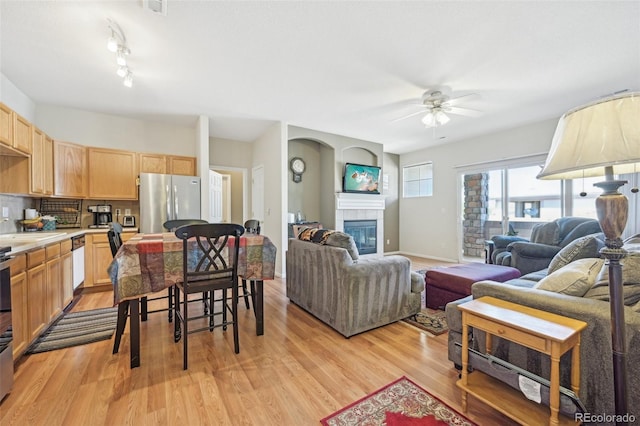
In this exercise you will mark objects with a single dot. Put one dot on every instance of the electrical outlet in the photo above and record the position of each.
(127, 212)
(388, 242)
(117, 212)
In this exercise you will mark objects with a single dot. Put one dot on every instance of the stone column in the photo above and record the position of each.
(476, 198)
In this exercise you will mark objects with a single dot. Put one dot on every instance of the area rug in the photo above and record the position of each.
(432, 320)
(401, 403)
(77, 328)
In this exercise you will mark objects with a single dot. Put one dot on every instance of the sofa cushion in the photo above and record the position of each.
(332, 238)
(574, 279)
(630, 281)
(584, 247)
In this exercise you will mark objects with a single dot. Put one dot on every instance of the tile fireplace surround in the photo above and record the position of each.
(362, 207)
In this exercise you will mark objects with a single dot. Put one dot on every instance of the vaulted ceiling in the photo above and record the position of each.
(349, 68)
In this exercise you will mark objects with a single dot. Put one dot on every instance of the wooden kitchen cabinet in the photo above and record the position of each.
(97, 257)
(66, 273)
(69, 170)
(167, 164)
(6, 125)
(181, 165)
(41, 163)
(53, 296)
(153, 163)
(19, 301)
(36, 293)
(22, 134)
(15, 132)
(112, 174)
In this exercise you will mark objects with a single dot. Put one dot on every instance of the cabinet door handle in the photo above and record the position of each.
(501, 331)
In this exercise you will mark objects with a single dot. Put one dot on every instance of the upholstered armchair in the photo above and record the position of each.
(547, 239)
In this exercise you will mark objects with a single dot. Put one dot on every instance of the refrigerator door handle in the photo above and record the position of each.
(168, 198)
(175, 200)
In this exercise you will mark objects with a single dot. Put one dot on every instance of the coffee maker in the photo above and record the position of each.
(101, 215)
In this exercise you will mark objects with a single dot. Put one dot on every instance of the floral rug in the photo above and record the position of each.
(401, 403)
(432, 320)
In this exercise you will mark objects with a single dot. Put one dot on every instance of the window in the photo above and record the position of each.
(417, 180)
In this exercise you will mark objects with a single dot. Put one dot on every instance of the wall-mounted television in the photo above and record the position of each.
(361, 178)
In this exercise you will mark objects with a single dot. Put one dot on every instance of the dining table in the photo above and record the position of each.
(149, 263)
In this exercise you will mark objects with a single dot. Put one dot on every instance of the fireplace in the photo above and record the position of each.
(364, 233)
(369, 208)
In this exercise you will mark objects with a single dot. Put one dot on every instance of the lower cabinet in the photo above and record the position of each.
(19, 318)
(97, 258)
(36, 293)
(41, 287)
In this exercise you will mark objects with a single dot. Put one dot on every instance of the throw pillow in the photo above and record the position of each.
(574, 279)
(584, 247)
(340, 239)
(332, 238)
(630, 281)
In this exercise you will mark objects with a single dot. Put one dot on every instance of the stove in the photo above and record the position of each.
(3, 253)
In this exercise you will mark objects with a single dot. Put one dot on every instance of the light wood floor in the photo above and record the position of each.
(299, 372)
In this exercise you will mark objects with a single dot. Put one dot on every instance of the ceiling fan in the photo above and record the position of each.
(437, 103)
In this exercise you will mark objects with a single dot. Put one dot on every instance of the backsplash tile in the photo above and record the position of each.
(16, 207)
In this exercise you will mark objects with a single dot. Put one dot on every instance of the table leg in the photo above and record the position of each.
(554, 386)
(575, 367)
(259, 305)
(134, 332)
(465, 359)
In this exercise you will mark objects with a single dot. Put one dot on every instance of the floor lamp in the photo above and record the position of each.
(603, 138)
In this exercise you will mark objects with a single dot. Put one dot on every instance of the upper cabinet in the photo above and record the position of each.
(22, 134)
(181, 165)
(41, 163)
(153, 163)
(15, 132)
(112, 174)
(70, 170)
(167, 164)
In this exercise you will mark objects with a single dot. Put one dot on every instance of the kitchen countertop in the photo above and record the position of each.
(22, 243)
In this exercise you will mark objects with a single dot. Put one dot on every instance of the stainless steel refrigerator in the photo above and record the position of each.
(167, 197)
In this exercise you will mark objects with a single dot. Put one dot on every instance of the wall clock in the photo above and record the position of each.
(297, 166)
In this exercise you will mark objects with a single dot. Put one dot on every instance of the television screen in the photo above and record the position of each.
(361, 178)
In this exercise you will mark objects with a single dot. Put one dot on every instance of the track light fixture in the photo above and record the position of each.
(117, 43)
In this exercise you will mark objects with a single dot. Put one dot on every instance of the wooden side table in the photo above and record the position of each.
(545, 332)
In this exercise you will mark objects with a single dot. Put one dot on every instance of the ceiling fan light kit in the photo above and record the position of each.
(437, 103)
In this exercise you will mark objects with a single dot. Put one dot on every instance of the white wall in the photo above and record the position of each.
(429, 226)
(270, 151)
(112, 131)
(15, 99)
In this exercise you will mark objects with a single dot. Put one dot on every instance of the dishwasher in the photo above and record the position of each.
(77, 253)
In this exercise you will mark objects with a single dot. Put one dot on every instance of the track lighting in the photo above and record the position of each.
(117, 43)
(112, 43)
(128, 79)
(122, 71)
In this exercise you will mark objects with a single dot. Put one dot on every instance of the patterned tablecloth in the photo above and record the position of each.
(148, 263)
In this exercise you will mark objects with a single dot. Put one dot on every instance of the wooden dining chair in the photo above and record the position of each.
(251, 226)
(210, 264)
(115, 242)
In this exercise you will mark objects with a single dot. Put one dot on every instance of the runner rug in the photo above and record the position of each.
(432, 320)
(77, 328)
(401, 403)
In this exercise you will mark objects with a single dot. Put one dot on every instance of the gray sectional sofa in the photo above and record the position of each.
(576, 288)
(348, 293)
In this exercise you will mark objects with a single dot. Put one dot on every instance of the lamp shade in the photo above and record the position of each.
(592, 137)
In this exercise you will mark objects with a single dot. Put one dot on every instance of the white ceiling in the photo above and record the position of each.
(347, 68)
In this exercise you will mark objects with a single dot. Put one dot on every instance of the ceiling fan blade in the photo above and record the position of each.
(464, 111)
(409, 115)
(457, 100)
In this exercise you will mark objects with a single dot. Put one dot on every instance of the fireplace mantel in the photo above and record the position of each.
(352, 206)
(348, 201)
